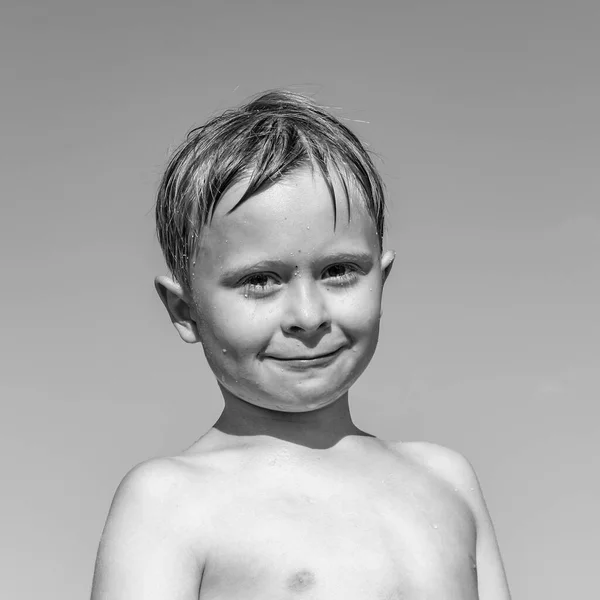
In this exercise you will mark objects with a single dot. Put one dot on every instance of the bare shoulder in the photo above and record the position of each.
(162, 490)
(445, 463)
(150, 537)
(452, 469)
(455, 470)
(154, 480)
(154, 487)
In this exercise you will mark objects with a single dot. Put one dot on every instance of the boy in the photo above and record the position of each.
(271, 221)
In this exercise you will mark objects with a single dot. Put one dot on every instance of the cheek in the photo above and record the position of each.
(360, 312)
(238, 326)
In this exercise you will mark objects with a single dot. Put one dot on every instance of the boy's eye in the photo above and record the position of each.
(259, 284)
(341, 273)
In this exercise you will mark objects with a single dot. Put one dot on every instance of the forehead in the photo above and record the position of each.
(297, 210)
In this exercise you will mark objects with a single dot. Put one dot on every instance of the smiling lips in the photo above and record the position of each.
(307, 360)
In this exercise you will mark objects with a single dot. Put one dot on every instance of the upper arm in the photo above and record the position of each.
(491, 577)
(456, 469)
(144, 551)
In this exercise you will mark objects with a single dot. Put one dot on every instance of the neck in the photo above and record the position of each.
(317, 429)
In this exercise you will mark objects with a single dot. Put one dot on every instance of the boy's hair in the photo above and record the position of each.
(266, 139)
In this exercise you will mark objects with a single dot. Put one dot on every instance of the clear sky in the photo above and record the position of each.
(484, 116)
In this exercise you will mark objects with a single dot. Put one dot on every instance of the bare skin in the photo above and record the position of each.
(362, 520)
(249, 516)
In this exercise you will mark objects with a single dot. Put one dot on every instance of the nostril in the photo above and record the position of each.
(306, 313)
(298, 329)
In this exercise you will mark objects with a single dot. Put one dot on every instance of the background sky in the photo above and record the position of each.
(484, 116)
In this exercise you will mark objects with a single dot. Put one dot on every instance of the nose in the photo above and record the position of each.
(306, 311)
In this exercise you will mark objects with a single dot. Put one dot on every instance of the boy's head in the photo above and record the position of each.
(271, 220)
(264, 141)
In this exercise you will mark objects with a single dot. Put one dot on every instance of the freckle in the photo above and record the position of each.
(434, 526)
(307, 227)
(224, 351)
(301, 581)
(245, 295)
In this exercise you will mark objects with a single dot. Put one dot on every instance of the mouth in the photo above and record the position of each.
(303, 361)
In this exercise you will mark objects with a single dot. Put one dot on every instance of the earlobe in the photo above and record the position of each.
(178, 306)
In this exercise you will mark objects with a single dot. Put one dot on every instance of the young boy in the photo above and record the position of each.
(271, 220)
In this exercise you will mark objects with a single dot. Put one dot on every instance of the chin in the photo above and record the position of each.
(299, 402)
(292, 396)
(301, 406)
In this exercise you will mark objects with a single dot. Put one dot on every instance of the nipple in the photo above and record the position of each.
(301, 581)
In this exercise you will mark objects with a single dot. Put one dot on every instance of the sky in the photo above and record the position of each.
(484, 120)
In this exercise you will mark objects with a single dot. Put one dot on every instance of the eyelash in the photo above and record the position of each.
(349, 276)
(252, 288)
(255, 289)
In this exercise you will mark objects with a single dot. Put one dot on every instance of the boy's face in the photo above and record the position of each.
(286, 306)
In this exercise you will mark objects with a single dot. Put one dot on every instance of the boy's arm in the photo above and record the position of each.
(456, 469)
(491, 577)
(145, 552)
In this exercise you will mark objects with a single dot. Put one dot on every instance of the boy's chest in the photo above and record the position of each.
(322, 540)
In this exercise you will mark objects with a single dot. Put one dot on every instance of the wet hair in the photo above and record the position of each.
(270, 137)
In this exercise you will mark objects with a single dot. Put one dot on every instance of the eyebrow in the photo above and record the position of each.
(234, 274)
(359, 256)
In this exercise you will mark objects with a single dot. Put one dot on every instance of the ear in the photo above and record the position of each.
(387, 261)
(178, 306)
